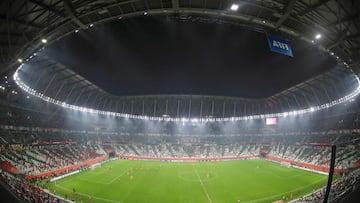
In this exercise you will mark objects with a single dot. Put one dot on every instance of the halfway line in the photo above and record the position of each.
(202, 184)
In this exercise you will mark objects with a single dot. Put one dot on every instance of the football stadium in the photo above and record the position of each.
(182, 101)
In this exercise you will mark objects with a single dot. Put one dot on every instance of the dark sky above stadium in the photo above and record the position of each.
(159, 55)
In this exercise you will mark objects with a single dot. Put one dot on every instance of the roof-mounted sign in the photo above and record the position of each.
(279, 45)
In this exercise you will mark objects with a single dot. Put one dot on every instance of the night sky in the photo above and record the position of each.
(157, 55)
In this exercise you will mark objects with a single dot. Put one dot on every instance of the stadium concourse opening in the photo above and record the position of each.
(175, 101)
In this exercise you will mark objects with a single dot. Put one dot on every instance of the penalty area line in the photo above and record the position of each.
(202, 185)
(126, 170)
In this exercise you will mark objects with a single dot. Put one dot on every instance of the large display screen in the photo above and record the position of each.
(271, 121)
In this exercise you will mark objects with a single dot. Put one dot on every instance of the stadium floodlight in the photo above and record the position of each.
(318, 36)
(234, 7)
(194, 120)
(44, 41)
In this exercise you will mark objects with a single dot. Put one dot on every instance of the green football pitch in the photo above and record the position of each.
(200, 182)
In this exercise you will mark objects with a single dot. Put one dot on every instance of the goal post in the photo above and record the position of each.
(94, 166)
(285, 164)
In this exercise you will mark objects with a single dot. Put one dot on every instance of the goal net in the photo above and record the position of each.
(285, 164)
(94, 166)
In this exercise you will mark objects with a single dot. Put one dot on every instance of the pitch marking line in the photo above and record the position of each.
(92, 181)
(108, 183)
(182, 176)
(272, 196)
(125, 171)
(107, 200)
(202, 184)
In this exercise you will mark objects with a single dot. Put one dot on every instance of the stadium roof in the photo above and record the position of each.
(26, 23)
(187, 54)
(54, 83)
(30, 25)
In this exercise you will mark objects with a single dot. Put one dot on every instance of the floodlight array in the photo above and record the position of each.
(35, 93)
